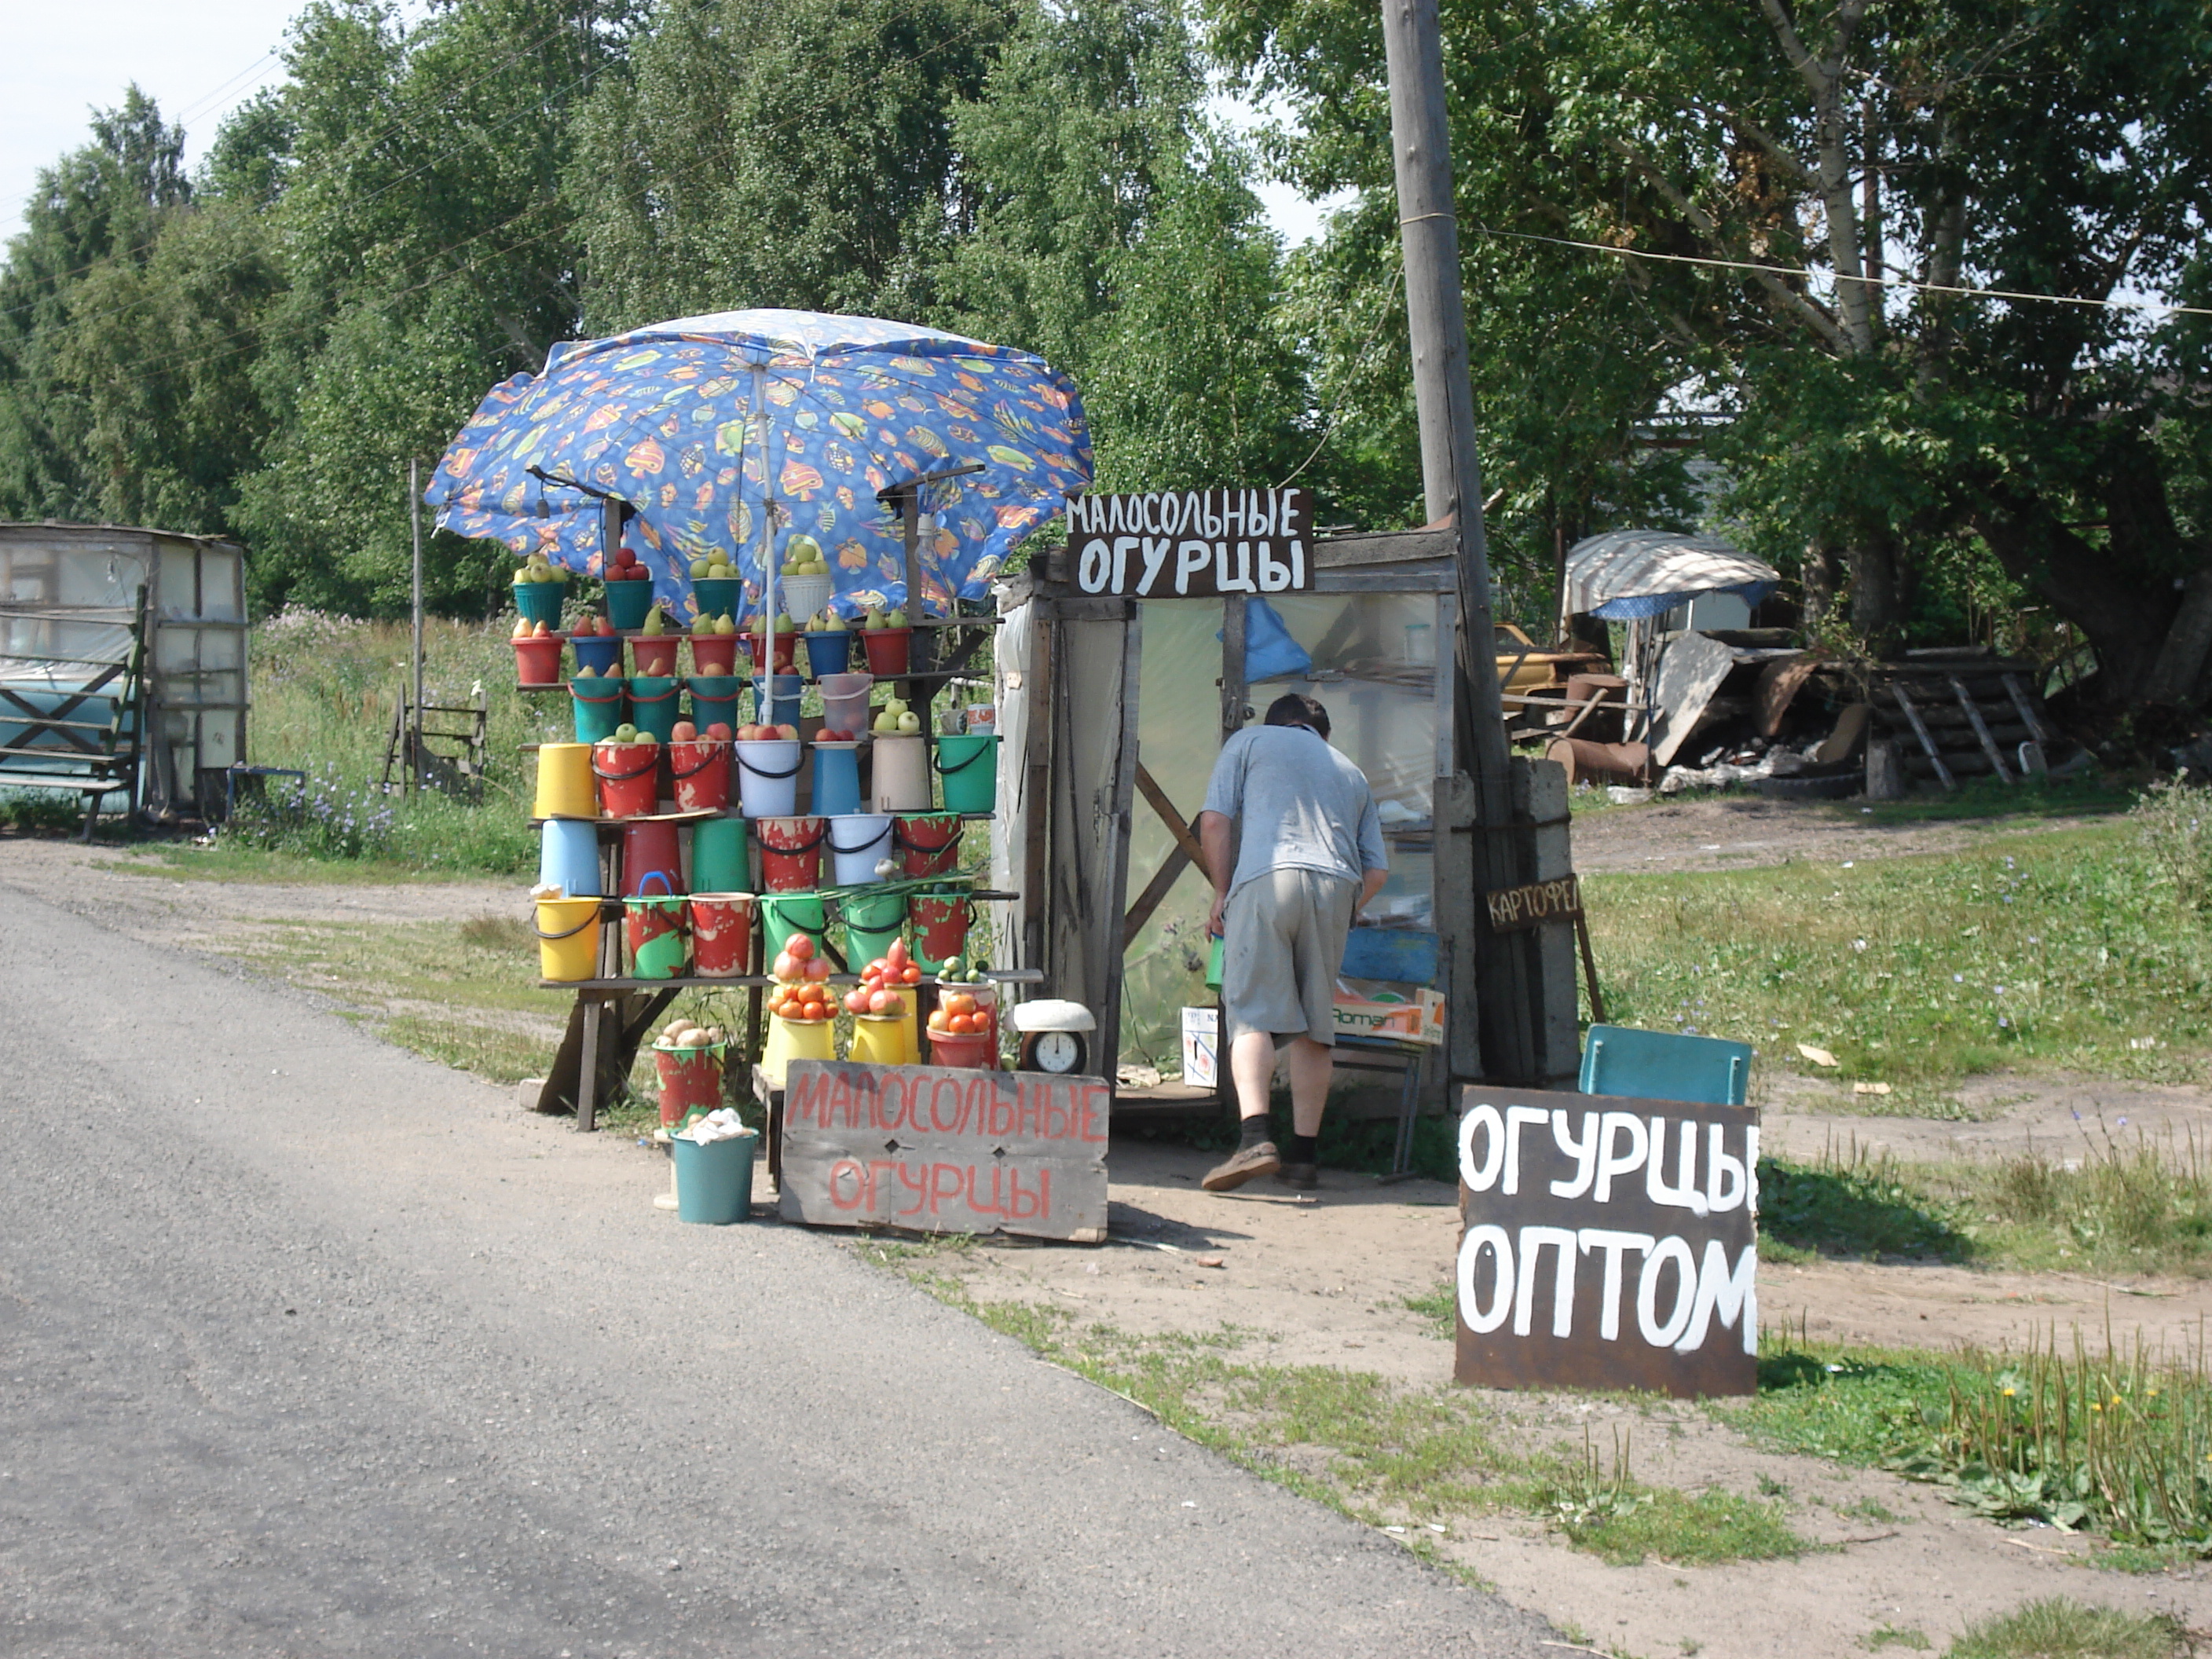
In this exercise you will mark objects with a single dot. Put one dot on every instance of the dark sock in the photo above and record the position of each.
(1253, 1130)
(1301, 1150)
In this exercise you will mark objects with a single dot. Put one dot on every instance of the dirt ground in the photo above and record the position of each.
(1740, 834)
(1322, 1279)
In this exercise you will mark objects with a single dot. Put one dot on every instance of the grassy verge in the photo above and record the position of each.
(2084, 949)
(2063, 1629)
(2118, 1443)
(1416, 1461)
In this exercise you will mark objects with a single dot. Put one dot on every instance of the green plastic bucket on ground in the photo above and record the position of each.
(598, 706)
(714, 1182)
(720, 860)
(970, 769)
(872, 921)
(783, 914)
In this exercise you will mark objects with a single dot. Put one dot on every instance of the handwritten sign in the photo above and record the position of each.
(1191, 544)
(1510, 910)
(942, 1151)
(1607, 1242)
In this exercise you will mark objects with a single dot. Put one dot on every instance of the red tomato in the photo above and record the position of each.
(896, 956)
(959, 1003)
(787, 965)
(910, 974)
(817, 968)
(800, 945)
(881, 1001)
(856, 1002)
(939, 1021)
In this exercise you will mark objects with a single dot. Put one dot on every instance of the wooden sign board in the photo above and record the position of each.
(1607, 1242)
(1510, 910)
(937, 1150)
(1191, 543)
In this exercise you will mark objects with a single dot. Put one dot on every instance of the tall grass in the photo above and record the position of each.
(2087, 948)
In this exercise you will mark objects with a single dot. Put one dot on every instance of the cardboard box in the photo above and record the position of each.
(1420, 1018)
(1202, 1047)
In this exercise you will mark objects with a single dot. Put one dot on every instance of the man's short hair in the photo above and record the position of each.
(1294, 708)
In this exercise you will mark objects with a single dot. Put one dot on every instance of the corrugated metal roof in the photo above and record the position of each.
(1624, 574)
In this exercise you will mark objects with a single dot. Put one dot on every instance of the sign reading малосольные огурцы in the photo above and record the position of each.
(1607, 1242)
(1191, 544)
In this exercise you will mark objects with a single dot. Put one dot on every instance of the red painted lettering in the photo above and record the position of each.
(1096, 1103)
(975, 1202)
(920, 1188)
(851, 1171)
(944, 1182)
(943, 1118)
(803, 1103)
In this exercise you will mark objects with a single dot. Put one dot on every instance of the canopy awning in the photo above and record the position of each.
(1626, 575)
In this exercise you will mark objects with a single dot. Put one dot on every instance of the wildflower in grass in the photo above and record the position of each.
(1858, 944)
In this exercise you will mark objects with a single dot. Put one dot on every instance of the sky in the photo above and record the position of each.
(199, 59)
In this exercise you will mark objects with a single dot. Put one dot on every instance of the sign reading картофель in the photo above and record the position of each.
(1607, 1242)
(1191, 543)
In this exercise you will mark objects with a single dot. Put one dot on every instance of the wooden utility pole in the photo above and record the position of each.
(415, 729)
(1504, 993)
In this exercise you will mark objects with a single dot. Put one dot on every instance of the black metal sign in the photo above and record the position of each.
(1510, 910)
(1191, 544)
(1607, 1242)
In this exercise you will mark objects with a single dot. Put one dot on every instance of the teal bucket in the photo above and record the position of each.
(718, 596)
(872, 921)
(599, 708)
(720, 860)
(653, 702)
(714, 697)
(627, 603)
(540, 602)
(970, 767)
(713, 1181)
(783, 914)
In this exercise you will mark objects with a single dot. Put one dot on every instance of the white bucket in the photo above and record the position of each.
(844, 701)
(767, 777)
(858, 843)
(900, 780)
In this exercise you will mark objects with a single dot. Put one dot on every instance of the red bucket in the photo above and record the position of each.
(887, 650)
(654, 654)
(653, 930)
(928, 842)
(691, 1081)
(714, 653)
(785, 646)
(701, 771)
(650, 861)
(537, 659)
(722, 934)
(630, 778)
(790, 852)
(972, 1050)
(940, 927)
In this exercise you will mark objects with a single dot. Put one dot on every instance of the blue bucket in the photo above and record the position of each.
(714, 1182)
(836, 779)
(597, 652)
(828, 652)
(568, 858)
(782, 708)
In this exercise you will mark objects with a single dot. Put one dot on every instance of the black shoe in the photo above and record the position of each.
(1302, 1177)
(1245, 1164)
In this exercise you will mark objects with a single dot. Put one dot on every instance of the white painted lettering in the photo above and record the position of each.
(1610, 1164)
(1612, 1244)
(1478, 1318)
(1585, 1153)
(1533, 1242)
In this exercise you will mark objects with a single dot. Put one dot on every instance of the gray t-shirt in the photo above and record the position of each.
(1300, 804)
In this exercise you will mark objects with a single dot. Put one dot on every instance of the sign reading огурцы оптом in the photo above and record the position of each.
(1607, 1242)
(1191, 543)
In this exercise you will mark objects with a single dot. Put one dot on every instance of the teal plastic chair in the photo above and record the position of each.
(1663, 1065)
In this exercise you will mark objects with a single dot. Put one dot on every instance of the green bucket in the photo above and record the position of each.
(720, 862)
(718, 596)
(540, 602)
(659, 946)
(627, 604)
(653, 702)
(872, 921)
(714, 697)
(599, 708)
(970, 767)
(783, 914)
(1215, 958)
(714, 1182)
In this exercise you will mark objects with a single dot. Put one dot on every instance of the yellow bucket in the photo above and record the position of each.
(883, 1040)
(565, 789)
(567, 938)
(795, 1039)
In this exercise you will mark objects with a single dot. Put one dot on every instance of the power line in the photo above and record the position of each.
(1808, 275)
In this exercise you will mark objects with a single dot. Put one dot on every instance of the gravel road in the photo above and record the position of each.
(308, 1347)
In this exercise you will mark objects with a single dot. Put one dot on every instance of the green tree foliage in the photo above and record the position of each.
(1109, 227)
(1898, 436)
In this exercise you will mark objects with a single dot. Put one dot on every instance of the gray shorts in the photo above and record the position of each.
(1283, 948)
